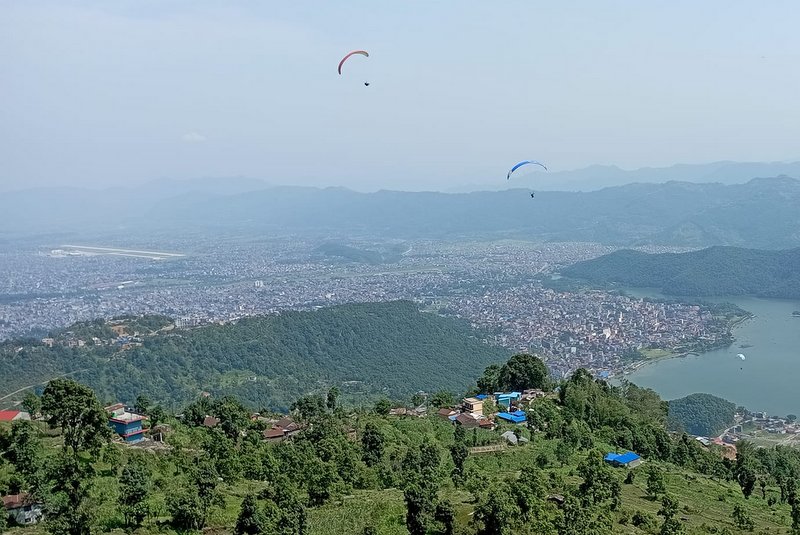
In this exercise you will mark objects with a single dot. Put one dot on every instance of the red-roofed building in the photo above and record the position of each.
(10, 416)
(22, 508)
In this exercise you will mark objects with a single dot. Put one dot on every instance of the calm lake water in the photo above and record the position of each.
(768, 380)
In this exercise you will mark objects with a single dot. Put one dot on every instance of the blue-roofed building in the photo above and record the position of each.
(481, 397)
(516, 417)
(628, 460)
(505, 399)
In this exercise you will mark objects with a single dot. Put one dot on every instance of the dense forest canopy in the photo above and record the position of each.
(716, 271)
(701, 414)
(365, 349)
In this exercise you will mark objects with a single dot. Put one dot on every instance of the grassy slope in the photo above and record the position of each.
(698, 495)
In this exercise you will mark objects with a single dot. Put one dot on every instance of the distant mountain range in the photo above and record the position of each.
(596, 177)
(763, 212)
(716, 271)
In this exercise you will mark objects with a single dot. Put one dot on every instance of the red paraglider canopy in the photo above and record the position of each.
(361, 52)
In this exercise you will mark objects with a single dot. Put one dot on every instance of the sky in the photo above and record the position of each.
(108, 93)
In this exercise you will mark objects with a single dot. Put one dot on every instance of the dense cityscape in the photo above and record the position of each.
(499, 287)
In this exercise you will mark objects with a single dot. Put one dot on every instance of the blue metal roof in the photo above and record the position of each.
(516, 417)
(621, 458)
(481, 397)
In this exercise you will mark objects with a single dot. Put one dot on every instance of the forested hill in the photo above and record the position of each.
(676, 213)
(708, 272)
(389, 349)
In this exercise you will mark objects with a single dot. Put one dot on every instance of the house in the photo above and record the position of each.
(22, 508)
(127, 425)
(512, 439)
(506, 399)
(627, 460)
(283, 428)
(472, 405)
(274, 434)
(446, 413)
(10, 416)
(516, 417)
(467, 421)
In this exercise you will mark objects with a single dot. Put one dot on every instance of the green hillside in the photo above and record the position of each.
(715, 271)
(362, 471)
(365, 349)
(701, 414)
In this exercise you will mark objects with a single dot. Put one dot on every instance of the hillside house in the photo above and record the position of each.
(506, 399)
(22, 508)
(627, 460)
(127, 425)
(472, 405)
(516, 417)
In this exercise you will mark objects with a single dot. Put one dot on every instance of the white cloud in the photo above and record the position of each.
(193, 137)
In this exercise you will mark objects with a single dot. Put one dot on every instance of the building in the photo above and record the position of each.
(127, 425)
(516, 417)
(467, 421)
(627, 460)
(10, 416)
(506, 399)
(472, 405)
(513, 439)
(22, 508)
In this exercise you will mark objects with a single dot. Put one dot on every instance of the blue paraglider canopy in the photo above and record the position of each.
(525, 162)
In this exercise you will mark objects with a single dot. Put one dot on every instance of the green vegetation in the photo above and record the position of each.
(701, 414)
(367, 350)
(358, 471)
(389, 255)
(716, 271)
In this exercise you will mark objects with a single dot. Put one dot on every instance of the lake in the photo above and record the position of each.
(768, 380)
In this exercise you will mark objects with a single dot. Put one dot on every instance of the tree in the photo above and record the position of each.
(32, 404)
(599, 483)
(417, 399)
(286, 512)
(791, 417)
(383, 406)
(669, 510)
(581, 520)
(134, 489)
(459, 453)
(24, 450)
(497, 511)
(741, 518)
(309, 407)
(251, 520)
(656, 486)
(372, 441)
(445, 514)
(443, 398)
(333, 398)
(186, 509)
(142, 404)
(489, 382)
(746, 470)
(420, 471)
(68, 509)
(74, 408)
(233, 416)
(157, 415)
(523, 371)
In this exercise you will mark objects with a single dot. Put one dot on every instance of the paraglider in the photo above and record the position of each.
(348, 55)
(525, 162)
(741, 356)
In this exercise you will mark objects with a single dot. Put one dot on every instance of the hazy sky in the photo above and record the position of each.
(110, 92)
